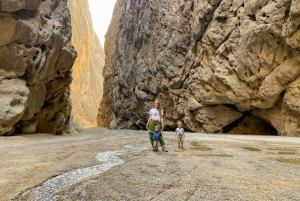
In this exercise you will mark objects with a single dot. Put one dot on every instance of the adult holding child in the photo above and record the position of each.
(156, 119)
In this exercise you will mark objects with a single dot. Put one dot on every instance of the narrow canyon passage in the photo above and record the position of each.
(217, 66)
(87, 84)
(74, 111)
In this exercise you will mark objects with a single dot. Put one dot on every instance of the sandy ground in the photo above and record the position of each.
(101, 164)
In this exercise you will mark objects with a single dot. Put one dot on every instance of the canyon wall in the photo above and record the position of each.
(218, 65)
(106, 112)
(86, 88)
(36, 58)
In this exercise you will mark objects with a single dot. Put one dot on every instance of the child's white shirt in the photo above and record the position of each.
(179, 131)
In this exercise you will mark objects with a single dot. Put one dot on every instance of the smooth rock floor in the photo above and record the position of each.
(102, 164)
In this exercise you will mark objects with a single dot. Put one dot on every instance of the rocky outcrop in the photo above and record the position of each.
(86, 88)
(212, 63)
(36, 57)
(105, 113)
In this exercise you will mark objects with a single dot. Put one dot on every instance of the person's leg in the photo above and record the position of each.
(151, 128)
(161, 141)
(178, 140)
(151, 138)
(155, 146)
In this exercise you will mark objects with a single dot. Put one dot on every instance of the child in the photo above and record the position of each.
(180, 132)
(156, 134)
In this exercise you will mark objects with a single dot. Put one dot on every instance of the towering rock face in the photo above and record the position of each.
(36, 57)
(106, 112)
(216, 65)
(86, 88)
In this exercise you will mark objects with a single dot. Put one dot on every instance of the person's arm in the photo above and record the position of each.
(162, 123)
(183, 135)
(147, 125)
(175, 134)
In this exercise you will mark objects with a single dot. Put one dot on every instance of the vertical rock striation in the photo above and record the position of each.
(36, 58)
(215, 64)
(86, 88)
(105, 113)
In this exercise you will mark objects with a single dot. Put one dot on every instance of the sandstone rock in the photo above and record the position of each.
(15, 5)
(196, 55)
(36, 58)
(13, 96)
(215, 118)
(8, 29)
(86, 88)
(12, 5)
(193, 104)
(72, 127)
(12, 60)
(292, 96)
(105, 114)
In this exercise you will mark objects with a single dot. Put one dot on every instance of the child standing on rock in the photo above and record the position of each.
(179, 134)
(156, 134)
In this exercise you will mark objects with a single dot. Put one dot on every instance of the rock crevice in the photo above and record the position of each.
(86, 88)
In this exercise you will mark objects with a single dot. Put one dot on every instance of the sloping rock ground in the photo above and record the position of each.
(86, 88)
(211, 167)
(215, 64)
(36, 58)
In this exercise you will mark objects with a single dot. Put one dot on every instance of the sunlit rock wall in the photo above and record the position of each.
(105, 109)
(230, 65)
(86, 88)
(36, 58)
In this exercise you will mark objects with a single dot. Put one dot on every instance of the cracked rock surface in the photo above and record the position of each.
(36, 58)
(214, 64)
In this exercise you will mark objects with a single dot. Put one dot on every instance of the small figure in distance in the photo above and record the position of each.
(156, 134)
(179, 134)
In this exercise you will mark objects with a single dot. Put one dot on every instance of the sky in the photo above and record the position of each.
(101, 11)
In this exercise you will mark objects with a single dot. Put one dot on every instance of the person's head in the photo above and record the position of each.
(156, 128)
(157, 106)
(179, 123)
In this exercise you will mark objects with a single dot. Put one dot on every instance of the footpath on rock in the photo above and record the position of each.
(102, 164)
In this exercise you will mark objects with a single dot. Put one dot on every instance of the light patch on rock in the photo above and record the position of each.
(49, 189)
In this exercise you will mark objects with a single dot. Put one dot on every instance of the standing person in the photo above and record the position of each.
(156, 118)
(156, 134)
(180, 133)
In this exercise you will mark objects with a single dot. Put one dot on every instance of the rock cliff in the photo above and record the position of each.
(86, 88)
(36, 58)
(218, 65)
